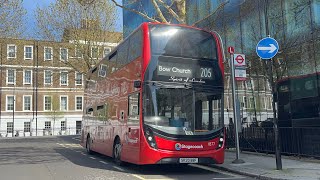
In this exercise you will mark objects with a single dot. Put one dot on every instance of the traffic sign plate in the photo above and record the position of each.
(267, 48)
(239, 59)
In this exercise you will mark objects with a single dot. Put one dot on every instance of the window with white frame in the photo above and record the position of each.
(251, 102)
(11, 51)
(9, 127)
(63, 78)
(28, 52)
(63, 125)
(48, 53)
(47, 77)
(245, 102)
(106, 51)
(27, 103)
(102, 70)
(11, 76)
(268, 103)
(47, 125)
(10, 103)
(79, 100)
(78, 53)
(63, 54)
(78, 78)
(94, 52)
(47, 103)
(250, 84)
(27, 77)
(27, 126)
(63, 103)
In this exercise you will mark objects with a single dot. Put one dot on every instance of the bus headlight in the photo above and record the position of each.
(221, 139)
(150, 138)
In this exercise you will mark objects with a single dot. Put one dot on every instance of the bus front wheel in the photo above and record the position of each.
(117, 148)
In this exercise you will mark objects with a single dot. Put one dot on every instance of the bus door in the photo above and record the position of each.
(132, 139)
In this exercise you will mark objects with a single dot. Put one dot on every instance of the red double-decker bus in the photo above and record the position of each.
(157, 98)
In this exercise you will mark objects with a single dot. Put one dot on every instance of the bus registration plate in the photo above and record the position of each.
(188, 160)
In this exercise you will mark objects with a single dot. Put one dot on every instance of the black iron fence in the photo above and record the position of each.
(294, 141)
(40, 132)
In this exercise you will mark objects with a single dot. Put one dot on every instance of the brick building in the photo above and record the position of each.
(42, 84)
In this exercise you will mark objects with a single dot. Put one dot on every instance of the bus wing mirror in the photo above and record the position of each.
(137, 84)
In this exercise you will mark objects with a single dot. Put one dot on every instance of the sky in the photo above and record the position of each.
(31, 5)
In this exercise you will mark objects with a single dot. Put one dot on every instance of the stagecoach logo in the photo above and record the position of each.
(179, 146)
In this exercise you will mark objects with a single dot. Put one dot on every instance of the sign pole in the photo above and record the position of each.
(235, 113)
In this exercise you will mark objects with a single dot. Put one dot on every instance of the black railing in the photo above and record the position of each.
(294, 141)
(40, 132)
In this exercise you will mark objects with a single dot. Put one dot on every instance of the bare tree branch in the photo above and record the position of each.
(170, 10)
(160, 15)
(135, 11)
(11, 18)
(218, 8)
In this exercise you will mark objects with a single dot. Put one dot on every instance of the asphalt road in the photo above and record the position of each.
(62, 158)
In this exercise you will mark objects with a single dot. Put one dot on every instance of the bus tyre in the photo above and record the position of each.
(117, 147)
(88, 145)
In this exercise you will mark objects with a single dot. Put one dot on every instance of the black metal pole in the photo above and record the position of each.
(37, 62)
(0, 83)
(14, 103)
(273, 89)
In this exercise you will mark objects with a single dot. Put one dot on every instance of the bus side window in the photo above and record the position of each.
(135, 46)
(122, 58)
(133, 107)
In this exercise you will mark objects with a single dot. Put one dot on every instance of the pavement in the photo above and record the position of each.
(262, 166)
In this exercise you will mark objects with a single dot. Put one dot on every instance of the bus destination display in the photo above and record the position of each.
(185, 72)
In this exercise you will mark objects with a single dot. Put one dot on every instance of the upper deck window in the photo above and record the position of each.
(182, 42)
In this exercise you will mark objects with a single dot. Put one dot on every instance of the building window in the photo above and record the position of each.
(63, 125)
(63, 103)
(27, 77)
(47, 125)
(11, 51)
(47, 77)
(26, 127)
(47, 103)
(63, 54)
(106, 51)
(64, 78)
(94, 52)
(47, 53)
(27, 103)
(78, 78)
(268, 103)
(10, 103)
(28, 52)
(79, 103)
(78, 53)
(251, 102)
(245, 102)
(9, 127)
(102, 70)
(11, 76)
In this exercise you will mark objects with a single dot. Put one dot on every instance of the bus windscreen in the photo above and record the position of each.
(182, 42)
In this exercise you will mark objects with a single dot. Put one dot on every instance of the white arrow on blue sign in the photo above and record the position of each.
(267, 48)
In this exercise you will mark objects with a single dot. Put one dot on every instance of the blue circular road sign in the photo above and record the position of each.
(267, 48)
